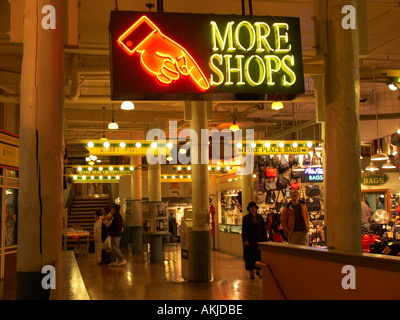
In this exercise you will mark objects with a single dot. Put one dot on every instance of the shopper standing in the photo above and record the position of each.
(366, 213)
(97, 237)
(115, 231)
(105, 238)
(295, 220)
(253, 231)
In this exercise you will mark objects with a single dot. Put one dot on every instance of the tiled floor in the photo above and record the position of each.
(141, 279)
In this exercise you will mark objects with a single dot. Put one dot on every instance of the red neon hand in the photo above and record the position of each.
(160, 56)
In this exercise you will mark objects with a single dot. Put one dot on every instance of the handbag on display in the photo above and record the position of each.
(313, 204)
(295, 186)
(306, 160)
(293, 160)
(295, 174)
(271, 197)
(275, 161)
(271, 172)
(283, 164)
(281, 182)
(312, 190)
(270, 185)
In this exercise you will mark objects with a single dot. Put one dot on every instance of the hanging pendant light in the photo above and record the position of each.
(371, 166)
(103, 138)
(234, 127)
(379, 156)
(277, 105)
(389, 165)
(127, 105)
(113, 125)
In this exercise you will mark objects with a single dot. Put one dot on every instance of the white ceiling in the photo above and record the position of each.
(84, 117)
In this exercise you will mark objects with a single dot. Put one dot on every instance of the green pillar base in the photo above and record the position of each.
(201, 256)
(29, 286)
(137, 239)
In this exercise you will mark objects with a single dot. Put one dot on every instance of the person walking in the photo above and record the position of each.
(115, 231)
(106, 218)
(253, 231)
(97, 237)
(295, 220)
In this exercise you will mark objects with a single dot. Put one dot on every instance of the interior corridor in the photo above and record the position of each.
(141, 279)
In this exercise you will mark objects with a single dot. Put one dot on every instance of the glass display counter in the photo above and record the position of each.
(230, 228)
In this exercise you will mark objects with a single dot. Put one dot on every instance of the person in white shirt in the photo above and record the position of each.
(97, 237)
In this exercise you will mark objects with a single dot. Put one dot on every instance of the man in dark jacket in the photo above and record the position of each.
(253, 231)
(115, 231)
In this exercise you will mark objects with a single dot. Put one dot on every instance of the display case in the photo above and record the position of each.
(231, 208)
(230, 222)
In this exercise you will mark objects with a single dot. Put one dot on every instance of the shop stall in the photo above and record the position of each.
(9, 186)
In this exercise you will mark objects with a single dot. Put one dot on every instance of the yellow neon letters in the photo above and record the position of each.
(256, 54)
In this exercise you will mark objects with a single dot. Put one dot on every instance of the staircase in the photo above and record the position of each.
(82, 215)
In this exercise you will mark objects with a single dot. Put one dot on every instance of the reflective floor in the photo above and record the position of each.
(141, 279)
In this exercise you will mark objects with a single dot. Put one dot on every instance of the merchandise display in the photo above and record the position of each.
(382, 233)
(276, 177)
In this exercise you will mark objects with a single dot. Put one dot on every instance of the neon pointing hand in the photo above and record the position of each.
(160, 56)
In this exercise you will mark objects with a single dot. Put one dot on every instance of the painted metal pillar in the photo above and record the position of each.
(200, 192)
(136, 195)
(154, 182)
(41, 148)
(342, 137)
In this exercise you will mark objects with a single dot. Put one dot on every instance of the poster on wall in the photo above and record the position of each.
(204, 56)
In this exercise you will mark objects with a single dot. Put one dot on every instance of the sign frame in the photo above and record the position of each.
(130, 82)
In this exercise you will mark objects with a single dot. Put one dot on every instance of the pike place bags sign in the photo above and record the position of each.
(373, 178)
(199, 56)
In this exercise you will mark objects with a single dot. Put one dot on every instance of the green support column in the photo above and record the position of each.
(200, 191)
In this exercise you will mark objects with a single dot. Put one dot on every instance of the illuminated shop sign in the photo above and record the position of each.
(171, 56)
(373, 178)
(314, 174)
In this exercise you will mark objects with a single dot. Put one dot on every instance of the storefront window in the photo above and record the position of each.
(11, 217)
(231, 207)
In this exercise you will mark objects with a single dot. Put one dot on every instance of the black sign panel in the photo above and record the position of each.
(198, 56)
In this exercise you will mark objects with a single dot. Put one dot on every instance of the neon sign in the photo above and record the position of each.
(314, 174)
(266, 65)
(161, 56)
(203, 57)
